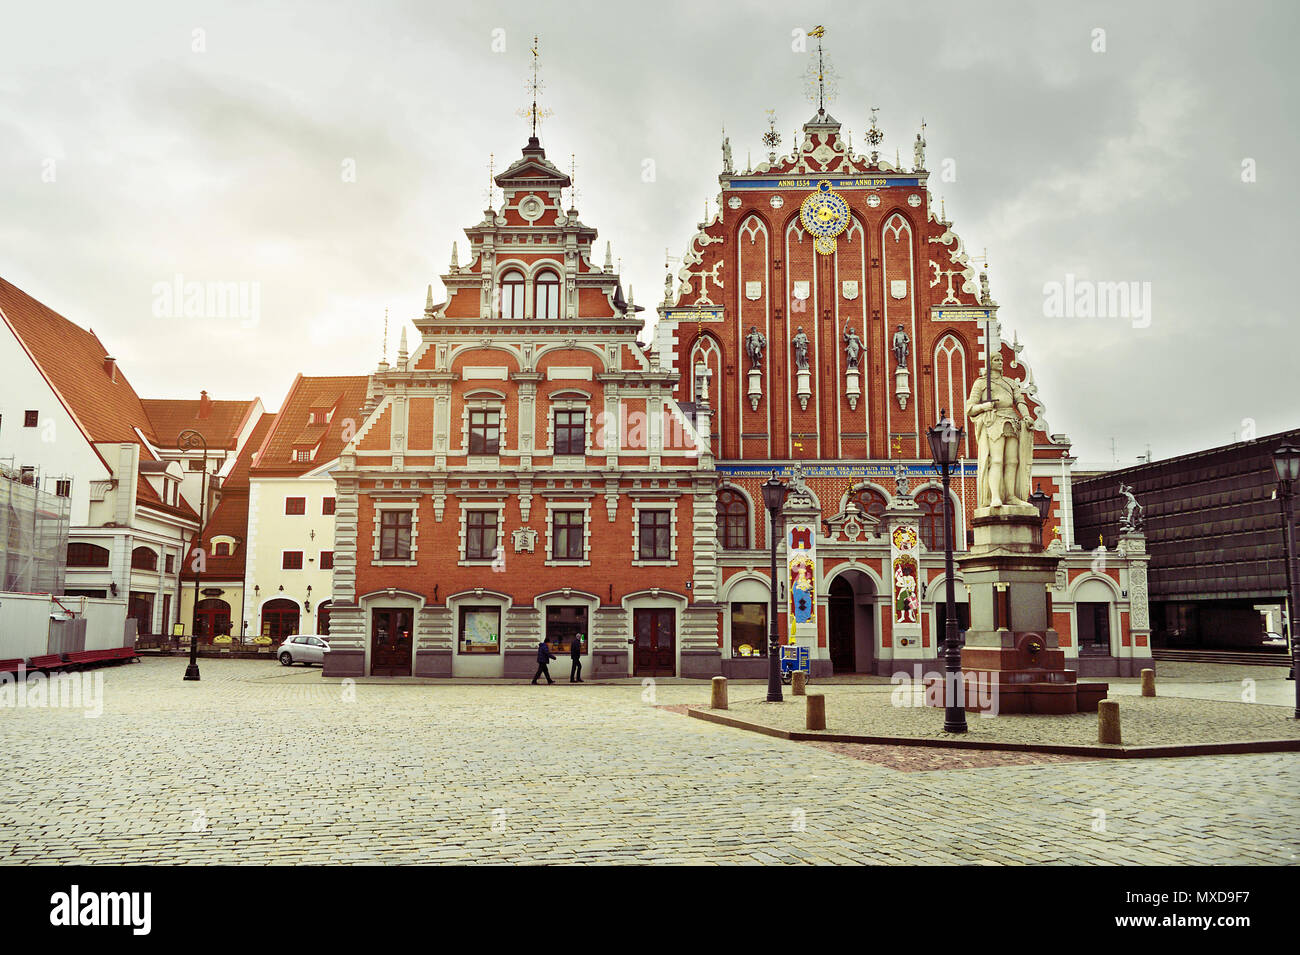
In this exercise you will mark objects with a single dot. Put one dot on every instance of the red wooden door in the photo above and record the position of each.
(655, 646)
(390, 641)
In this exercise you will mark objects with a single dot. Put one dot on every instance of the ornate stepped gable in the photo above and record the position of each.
(752, 265)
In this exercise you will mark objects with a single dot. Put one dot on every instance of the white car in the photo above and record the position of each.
(303, 648)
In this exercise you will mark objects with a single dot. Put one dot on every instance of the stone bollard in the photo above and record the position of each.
(796, 683)
(1108, 722)
(816, 712)
(719, 699)
(1148, 682)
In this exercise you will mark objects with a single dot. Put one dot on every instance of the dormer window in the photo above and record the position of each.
(302, 455)
(547, 292)
(512, 294)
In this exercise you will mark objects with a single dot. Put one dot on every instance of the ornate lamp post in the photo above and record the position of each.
(1286, 464)
(774, 492)
(945, 445)
(1041, 501)
(192, 439)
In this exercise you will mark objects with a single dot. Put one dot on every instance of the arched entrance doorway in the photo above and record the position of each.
(213, 618)
(279, 619)
(323, 619)
(851, 622)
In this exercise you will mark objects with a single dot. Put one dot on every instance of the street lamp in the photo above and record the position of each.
(774, 492)
(1286, 464)
(945, 446)
(1044, 504)
(187, 440)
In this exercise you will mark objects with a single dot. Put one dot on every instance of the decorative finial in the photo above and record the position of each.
(491, 192)
(428, 299)
(609, 260)
(455, 258)
(821, 74)
(573, 182)
(875, 137)
(401, 349)
(771, 138)
(534, 87)
(383, 358)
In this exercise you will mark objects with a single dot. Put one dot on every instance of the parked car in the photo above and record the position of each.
(304, 648)
(1273, 639)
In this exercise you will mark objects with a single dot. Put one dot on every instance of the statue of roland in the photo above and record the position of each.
(1004, 436)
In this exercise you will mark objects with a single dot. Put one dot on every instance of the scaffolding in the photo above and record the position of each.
(33, 532)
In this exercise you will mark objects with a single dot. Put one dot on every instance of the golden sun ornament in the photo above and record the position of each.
(824, 215)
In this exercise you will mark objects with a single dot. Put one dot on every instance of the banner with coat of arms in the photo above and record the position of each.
(801, 586)
(906, 576)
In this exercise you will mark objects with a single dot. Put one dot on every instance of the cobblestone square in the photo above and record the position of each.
(258, 764)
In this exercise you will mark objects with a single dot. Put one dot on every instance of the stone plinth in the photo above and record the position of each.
(1012, 661)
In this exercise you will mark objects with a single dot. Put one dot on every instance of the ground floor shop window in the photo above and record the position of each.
(480, 629)
(749, 630)
(563, 625)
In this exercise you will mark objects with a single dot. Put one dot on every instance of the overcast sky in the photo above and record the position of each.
(226, 164)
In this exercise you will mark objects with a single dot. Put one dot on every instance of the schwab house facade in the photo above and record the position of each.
(526, 472)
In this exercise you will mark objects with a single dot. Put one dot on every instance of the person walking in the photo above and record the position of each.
(544, 656)
(575, 654)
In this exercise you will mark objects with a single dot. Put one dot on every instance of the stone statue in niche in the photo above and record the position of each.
(1004, 436)
(1133, 520)
(901, 345)
(755, 345)
(800, 342)
(852, 348)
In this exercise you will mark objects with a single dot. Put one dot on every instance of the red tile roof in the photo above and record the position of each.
(220, 425)
(72, 359)
(230, 519)
(345, 395)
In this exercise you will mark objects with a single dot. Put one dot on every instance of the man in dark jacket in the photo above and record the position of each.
(544, 656)
(575, 654)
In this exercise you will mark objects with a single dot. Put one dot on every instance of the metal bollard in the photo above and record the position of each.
(815, 718)
(1148, 682)
(796, 683)
(719, 698)
(1108, 722)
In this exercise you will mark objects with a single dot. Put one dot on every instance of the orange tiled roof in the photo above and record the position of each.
(346, 395)
(72, 359)
(230, 519)
(220, 425)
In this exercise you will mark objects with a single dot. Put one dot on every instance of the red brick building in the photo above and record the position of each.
(837, 315)
(526, 472)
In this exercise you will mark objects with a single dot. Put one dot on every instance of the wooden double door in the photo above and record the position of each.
(391, 630)
(654, 649)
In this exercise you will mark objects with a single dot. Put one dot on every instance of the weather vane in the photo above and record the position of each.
(874, 136)
(534, 87)
(821, 83)
(771, 138)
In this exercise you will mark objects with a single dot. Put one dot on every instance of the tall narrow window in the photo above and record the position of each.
(547, 295)
(655, 539)
(480, 535)
(395, 535)
(567, 535)
(570, 432)
(512, 295)
(484, 432)
(733, 520)
(930, 501)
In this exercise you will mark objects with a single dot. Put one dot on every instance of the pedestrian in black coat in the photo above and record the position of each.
(544, 656)
(575, 654)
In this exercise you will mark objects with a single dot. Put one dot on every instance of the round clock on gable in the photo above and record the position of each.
(824, 215)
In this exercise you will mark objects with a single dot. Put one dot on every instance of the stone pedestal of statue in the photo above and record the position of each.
(1012, 661)
(755, 393)
(803, 387)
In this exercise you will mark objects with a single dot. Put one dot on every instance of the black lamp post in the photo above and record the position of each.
(945, 447)
(192, 439)
(774, 492)
(1286, 463)
(1041, 501)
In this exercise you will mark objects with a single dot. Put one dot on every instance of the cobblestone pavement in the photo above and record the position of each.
(255, 764)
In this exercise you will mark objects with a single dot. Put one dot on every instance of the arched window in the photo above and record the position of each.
(733, 520)
(87, 555)
(323, 618)
(144, 558)
(512, 294)
(546, 289)
(930, 501)
(279, 619)
(221, 549)
(869, 501)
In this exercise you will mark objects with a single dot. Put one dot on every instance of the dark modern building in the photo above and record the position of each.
(1214, 529)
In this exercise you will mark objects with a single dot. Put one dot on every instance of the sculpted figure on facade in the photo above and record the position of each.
(1004, 436)
(852, 347)
(800, 343)
(1133, 520)
(755, 345)
(901, 345)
